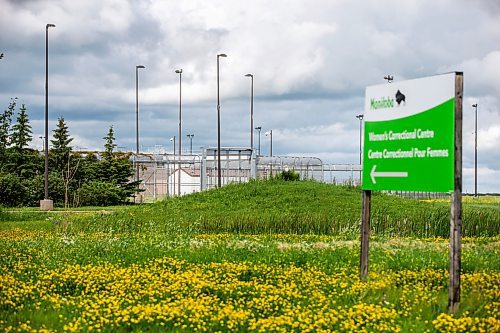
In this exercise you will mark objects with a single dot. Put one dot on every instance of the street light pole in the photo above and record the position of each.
(259, 129)
(251, 112)
(173, 175)
(475, 151)
(360, 117)
(270, 133)
(218, 123)
(137, 124)
(179, 71)
(47, 203)
(190, 136)
(173, 146)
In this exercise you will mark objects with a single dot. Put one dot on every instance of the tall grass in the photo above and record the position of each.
(304, 207)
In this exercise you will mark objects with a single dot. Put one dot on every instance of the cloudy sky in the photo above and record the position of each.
(311, 59)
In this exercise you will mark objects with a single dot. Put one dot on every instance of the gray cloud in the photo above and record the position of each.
(311, 59)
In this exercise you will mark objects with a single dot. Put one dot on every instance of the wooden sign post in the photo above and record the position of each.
(365, 233)
(456, 204)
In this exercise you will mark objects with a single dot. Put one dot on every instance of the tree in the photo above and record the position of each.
(109, 145)
(61, 149)
(22, 159)
(21, 131)
(19, 164)
(106, 180)
(117, 169)
(68, 175)
(5, 122)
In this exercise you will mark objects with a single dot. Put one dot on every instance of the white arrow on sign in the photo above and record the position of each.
(374, 174)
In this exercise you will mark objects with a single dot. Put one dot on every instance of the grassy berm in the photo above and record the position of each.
(279, 207)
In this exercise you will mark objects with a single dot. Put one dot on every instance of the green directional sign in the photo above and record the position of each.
(409, 135)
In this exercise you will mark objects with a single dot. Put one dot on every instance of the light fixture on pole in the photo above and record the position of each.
(475, 150)
(251, 112)
(259, 129)
(190, 136)
(179, 71)
(360, 117)
(137, 124)
(46, 203)
(218, 123)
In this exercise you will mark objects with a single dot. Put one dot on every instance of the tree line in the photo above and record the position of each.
(75, 178)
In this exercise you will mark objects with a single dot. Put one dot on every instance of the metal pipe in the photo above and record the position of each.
(179, 71)
(218, 123)
(46, 174)
(475, 150)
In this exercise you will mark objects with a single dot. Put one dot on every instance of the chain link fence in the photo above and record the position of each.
(165, 174)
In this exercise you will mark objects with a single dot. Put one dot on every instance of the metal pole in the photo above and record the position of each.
(173, 174)
(271, 143)
(218, 123)
(259, 129)
(270, 133)
(179, 71)
(360, 117)
(46, 174)
(475, 151)
(251, 112)
(190, 136)
(271, 153)
(251, 119)
(137, 124)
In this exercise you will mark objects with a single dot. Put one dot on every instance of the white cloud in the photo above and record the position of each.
(489, 139)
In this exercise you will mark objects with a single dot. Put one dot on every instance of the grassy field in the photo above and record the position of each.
(260, 257)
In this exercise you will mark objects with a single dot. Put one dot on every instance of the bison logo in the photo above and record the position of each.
(400, 98)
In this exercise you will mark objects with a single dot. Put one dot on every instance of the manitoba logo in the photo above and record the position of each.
(400, 97)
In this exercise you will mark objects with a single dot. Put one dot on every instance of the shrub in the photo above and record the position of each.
(99, 193)
(288, 175)
(35, 189)
(12, 190)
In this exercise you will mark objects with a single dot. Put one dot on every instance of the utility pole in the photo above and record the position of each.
(475, 151)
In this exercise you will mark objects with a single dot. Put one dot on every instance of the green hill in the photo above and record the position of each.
(303, 207)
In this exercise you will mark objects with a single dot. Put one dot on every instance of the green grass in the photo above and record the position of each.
(272, 207)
